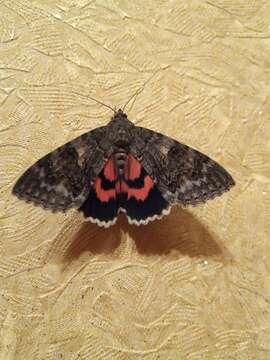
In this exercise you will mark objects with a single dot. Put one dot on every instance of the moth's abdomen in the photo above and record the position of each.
(120, 159)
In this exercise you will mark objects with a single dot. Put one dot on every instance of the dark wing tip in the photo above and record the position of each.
(19, 187)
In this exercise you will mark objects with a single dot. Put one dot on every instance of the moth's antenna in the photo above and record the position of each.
(100, 102)
(141, 89)
(135, 94)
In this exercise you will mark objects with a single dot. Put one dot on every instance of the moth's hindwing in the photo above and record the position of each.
(101, 205)
(142, 201)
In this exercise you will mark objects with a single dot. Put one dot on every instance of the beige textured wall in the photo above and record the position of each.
(193, 286)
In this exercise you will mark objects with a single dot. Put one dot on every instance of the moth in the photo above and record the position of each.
(125, 168)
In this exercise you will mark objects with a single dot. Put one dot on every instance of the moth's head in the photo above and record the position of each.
(119, 129)
(119, 115)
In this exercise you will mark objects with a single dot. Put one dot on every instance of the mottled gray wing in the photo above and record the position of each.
(62, 179)
(181, 173)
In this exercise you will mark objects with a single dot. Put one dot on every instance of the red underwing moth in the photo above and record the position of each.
(121, 167)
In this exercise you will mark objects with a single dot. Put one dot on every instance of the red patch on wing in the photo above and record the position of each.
(141, 193)
(132, 168)
(103, 195)
(109, 170)
(133, 171)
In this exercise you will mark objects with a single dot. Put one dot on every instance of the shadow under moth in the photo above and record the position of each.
(121, 167)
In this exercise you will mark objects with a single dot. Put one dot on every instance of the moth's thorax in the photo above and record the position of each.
(120, 130)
